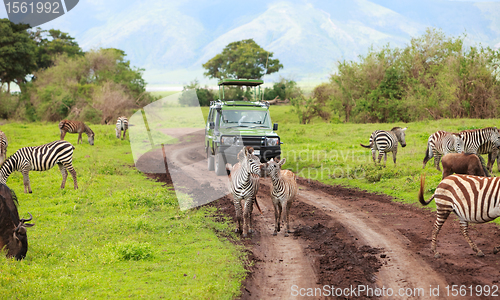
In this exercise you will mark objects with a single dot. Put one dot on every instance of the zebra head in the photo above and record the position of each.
(458, 143)
(249, 161)
(90, 134)
(273, 168)
(496, 137)
(400, 134)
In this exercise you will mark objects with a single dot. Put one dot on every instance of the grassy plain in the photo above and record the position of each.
(120, 235)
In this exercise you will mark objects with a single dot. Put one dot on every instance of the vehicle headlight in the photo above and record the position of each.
(228, 140)
(273, 141)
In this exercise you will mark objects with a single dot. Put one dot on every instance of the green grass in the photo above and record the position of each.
(120, 235)
(331, 153)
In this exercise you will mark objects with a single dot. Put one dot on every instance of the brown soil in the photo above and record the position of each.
(345, 237)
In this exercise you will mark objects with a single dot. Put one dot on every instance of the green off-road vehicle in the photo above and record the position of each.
(233, 124)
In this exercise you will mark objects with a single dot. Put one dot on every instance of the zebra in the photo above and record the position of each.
(283, 193)
(482, 141)
(121, 125)
(441, 143)
(386, 141)
(474, 199)
(40, 158)
(244, 185)
(76, 127)
(3, 147)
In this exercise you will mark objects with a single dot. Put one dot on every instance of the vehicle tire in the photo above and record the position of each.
(220, 165)
(210, 160)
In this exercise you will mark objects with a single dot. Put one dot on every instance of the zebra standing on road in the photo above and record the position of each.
(121, 125)
(473, 199)
(482, 141)
(40, 158)
(386, 141)
(283, 193)
(76, 127)
(244, 185)
(3, 147)
(441, 143)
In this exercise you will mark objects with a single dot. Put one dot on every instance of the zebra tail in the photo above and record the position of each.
(258, 207)
(369, 146)
(427, 153)
(421, 192)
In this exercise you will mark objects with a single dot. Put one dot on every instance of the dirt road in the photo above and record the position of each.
(348, 243)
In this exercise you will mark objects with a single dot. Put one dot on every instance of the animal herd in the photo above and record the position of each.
(471, 193)
(38, 158)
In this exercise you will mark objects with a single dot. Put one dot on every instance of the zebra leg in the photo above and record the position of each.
(72, 171)
(252, 200)
(394, 152)
(79, 141)
(238, 210)
(64, 174)
(247, 214)
(276, 217)
(374, 155)
(464, 228)
(437, 160)
(442, 215)
(124, 131)
(26, 181)
(63, 134)
(287, 216)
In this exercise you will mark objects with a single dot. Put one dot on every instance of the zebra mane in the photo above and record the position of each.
(88, 131)
(395, 128)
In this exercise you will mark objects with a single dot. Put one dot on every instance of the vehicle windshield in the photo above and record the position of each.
(245, 118)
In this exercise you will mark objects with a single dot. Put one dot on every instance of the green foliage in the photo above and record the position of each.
(242, 59)
(120, 235)
(50, 44)
(284, 89)
(96, 87)
(204, 94)
(431, 78)
(17, 53)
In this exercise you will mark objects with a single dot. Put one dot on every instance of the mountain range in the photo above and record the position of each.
(172, 39)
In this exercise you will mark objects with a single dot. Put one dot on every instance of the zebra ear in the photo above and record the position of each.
(404, 129)
(282, 162)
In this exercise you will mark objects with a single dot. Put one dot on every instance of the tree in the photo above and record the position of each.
(17, 53)
(51, 43)
(242, 59)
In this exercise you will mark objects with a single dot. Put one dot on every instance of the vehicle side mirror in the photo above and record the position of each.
(211, 125)
(275, 126)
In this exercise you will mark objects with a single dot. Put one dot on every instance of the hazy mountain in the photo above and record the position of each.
(171, 39)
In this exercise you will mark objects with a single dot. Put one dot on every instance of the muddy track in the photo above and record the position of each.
(346, 237)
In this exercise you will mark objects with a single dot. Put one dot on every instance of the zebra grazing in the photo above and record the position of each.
(284, 191)
(441, 143)
(386, 141)
(76, 127)
(40, 158)
(473, 199)
(121, 125)
(3, 147)
(244, 185)
(482, 141)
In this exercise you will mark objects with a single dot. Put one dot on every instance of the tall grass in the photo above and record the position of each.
(120, 235)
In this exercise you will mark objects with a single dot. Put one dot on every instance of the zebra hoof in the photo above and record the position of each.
(275, 233)
(479, 253)
(496, 250)
(437, 255)
(286, 234)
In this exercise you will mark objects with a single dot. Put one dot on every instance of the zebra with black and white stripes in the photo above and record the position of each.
(482, 141)
(121, 125)
(283, 193)
(76, 127)
(244, 185)
(474, 199)
(3, 147)
(40, 158)
(386, 141)
(441, 143)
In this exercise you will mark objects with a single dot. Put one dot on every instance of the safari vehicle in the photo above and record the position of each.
(233, 124)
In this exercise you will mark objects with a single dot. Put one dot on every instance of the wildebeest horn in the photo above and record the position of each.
(27, 220)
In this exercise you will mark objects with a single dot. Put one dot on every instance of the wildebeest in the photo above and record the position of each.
(463, 163)
(12, 229)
